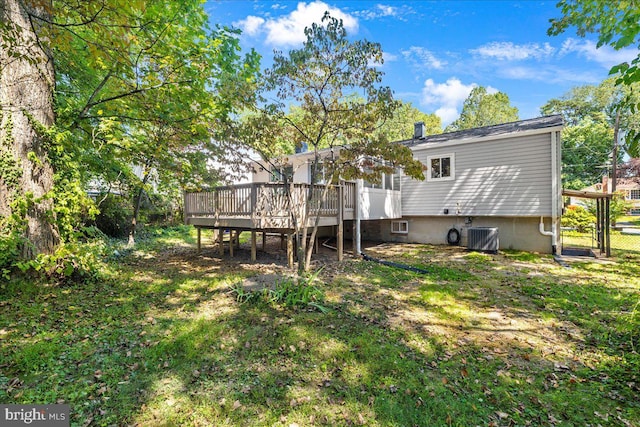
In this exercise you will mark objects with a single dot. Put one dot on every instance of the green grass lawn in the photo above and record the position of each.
(492, 340)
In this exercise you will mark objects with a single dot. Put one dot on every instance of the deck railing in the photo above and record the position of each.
(270, 202)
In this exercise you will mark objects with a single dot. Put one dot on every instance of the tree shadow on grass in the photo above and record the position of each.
(167, 344)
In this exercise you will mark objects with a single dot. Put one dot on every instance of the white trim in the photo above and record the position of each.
(403, 227)
(428, 145)
(452, 174)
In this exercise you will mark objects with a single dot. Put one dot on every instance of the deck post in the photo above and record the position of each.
(264, 241)
(199, 238)
(290, 249)
(231, 243)
(221, 241)
(608, 226)
(253, 245)
(340, 237)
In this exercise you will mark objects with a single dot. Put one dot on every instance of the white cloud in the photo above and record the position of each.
(605, 55)
(421, 57)
(447, 96)
(507, 51)
(549, 74)
(384, 11)
(379, 11)
(251, 26)
(386, 57)
(447, 114)
(288, 30)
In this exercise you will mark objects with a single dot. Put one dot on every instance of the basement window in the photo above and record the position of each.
(399, 227)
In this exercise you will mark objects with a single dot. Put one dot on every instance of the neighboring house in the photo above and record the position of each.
(629, 186)
(504, 177)
(631, 189)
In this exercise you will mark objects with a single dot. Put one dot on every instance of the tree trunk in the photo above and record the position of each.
(136, 209)
(134, 219)
(27, 83)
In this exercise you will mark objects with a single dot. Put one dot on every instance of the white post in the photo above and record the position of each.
(356, 219)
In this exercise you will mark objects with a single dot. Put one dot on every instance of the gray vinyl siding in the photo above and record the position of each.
(504, 177)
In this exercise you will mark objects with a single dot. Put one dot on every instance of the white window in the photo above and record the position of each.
(319, 174)
(441, 168)
(634, 194)
(399, 227)
(278, 174)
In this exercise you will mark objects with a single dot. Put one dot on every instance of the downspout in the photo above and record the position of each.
(356, 228)
(554, 196)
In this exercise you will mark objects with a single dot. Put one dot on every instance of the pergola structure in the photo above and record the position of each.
(603, 218)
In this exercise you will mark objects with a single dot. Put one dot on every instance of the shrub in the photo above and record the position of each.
(115, 215)
(70, 263)
(292, 293)
(578, 217)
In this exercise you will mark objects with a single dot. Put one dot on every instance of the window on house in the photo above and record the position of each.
(278, 174)
(396, 181)
(399, 227)
(634, 194)
(388, 181)
(441, 167)
(317, 173)
(369, 184)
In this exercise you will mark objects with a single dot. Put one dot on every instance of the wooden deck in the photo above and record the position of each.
(266, 207)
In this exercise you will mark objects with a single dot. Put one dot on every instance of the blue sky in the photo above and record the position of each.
(437, 51)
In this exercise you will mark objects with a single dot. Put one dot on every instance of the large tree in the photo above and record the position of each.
(586, 149)
(592, 114)
(27, 81)
(400, 126)
(340, 105)
(617, 24)
(482, 108)
(129, 77)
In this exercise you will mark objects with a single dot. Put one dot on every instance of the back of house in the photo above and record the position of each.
(502, 181)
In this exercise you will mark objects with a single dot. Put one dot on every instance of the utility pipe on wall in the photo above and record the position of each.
(554, 196)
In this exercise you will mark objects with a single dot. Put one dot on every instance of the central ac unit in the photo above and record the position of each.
(484, 239)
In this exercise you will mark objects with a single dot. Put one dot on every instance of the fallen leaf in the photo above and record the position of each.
(361, 420)
(236, 405)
